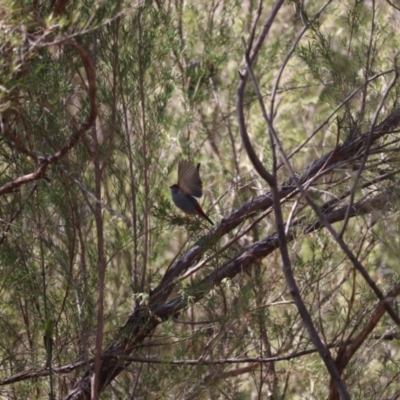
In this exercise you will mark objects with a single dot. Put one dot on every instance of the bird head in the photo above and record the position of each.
(174, 188)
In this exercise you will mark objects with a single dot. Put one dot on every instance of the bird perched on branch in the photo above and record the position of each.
(189, 185)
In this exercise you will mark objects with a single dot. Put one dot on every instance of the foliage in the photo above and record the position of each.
(99, 101)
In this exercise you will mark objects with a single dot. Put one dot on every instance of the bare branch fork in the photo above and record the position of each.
(279, 221)
(337, 382)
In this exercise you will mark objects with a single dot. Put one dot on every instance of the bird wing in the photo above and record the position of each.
(189, 181)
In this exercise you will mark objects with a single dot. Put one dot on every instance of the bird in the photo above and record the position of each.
(189, 185)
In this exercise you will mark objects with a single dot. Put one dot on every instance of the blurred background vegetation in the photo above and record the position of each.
(166, 77)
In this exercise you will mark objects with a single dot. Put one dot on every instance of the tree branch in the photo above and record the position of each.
(44, 161)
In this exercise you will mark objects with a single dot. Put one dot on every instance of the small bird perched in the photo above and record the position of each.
(189, 185)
